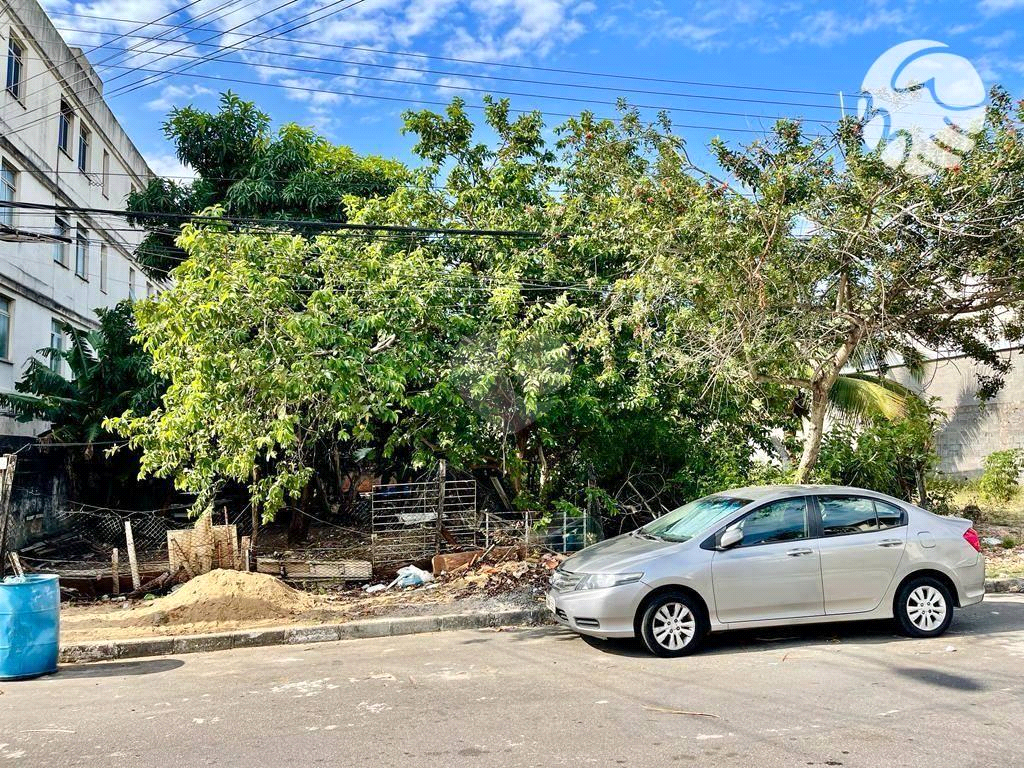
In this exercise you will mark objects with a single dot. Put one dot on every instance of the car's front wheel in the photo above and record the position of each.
(673, 624)
(924, 607)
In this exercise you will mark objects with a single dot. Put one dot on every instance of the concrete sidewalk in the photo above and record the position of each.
(251, 638)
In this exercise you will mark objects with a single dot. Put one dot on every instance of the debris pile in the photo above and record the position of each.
(530, 575)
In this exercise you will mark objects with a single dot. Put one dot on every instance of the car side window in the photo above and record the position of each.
(777, 521)
(889, 516)
(842, 515)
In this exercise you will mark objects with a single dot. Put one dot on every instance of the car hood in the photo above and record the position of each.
(623, 554)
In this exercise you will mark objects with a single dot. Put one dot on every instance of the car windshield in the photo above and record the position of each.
(689, 520)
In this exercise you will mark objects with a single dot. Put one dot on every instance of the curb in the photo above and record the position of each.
(993, 586)
(79, 653)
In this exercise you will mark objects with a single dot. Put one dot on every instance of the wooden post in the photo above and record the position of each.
(247, 554)
(7, 464)
(115, 570)
(442, 472)
(132, 561)
(16, 564)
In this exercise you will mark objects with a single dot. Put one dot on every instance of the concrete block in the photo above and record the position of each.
(253, 638)
(324, 634)
(414, 625)
(366, 628)
(200, 643)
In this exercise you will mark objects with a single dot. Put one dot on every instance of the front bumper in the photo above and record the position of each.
(602, 613)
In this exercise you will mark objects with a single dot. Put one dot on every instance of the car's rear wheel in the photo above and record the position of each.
(924, 607)
(673, 624)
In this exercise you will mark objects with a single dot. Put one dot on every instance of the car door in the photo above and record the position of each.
(862, 543)
(774, 572)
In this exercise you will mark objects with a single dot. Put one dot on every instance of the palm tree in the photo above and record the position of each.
(110, 373)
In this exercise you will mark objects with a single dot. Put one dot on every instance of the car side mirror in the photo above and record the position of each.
(730, 538)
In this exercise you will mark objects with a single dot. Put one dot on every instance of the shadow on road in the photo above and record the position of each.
(117, 669)
(940, 679)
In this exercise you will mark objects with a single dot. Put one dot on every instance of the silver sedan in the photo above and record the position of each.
(768, 556)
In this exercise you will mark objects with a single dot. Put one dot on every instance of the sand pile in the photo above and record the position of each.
(226, 596)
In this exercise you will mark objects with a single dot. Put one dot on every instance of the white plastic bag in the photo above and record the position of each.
(411, 576)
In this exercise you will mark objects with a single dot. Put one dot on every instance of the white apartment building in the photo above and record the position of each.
(60, 145)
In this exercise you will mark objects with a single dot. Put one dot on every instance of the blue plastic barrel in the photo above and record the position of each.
(29, 626)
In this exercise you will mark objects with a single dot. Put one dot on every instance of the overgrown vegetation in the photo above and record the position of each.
(633, 332)
(1000, 480)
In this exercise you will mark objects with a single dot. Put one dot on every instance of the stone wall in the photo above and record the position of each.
(973, 429)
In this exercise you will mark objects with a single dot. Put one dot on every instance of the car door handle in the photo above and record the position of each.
(891, 543)
(800, 552)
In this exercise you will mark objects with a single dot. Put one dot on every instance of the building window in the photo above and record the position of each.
(67, 120)
(6, 305)
(83, 148)
(15, 68)
(8, 189)
(106, 174)
(82, 253)
(103, 267)
(56, 345)
(131, 283)
(149, 289)
(61, 228)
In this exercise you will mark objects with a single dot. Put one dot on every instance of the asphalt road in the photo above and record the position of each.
(851, 695)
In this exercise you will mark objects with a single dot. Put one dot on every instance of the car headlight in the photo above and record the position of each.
(603, 580)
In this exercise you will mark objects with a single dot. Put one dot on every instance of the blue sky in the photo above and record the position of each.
(800, 53)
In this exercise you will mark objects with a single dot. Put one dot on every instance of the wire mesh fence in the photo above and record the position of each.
(414, 521)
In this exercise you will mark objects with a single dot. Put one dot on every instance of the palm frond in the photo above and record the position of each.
(861, 396)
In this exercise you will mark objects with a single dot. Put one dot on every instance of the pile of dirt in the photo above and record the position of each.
(224, 596)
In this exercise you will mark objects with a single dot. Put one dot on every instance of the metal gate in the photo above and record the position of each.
(415, 521)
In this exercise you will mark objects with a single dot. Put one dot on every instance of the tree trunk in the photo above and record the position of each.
(814, 431)
(298, 528)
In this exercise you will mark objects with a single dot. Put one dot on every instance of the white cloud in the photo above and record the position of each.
(170, 166)
(453, 86)
(996, 41)
(1000, 6)
(176, 96)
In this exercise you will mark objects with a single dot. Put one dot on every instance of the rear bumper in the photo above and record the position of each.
(971, 582)
(604, 613)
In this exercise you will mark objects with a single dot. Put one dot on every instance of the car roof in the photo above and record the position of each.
(759, 492)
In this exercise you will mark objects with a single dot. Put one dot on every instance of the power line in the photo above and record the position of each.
(473, 89)
(119, 53)
(143, 83)
(475, 75)
(180, 38)
(528, 67)
(340, 225)
(83, 56)
(431, 102)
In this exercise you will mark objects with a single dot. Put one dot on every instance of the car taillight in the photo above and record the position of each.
(971, 537)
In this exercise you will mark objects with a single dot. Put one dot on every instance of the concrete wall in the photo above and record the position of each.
(41, 287)
(973, 430)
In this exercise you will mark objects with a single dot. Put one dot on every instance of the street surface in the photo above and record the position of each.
(850, 695)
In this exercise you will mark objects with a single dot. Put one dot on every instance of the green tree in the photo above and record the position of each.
(249, 171)
(499, 353)
(806, 254)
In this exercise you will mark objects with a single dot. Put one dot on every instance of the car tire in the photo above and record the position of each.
(673, 624)
(924, 607)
